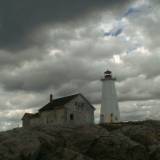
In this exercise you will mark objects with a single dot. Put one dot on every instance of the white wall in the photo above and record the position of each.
(83, 113)
(56, 116)
(109, 102)
(35, 121)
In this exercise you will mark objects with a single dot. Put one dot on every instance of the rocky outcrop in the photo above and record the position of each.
(123, 141)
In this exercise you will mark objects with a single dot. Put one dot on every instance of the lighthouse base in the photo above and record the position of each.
(108, 119)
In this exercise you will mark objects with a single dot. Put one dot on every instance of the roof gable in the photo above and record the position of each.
(30, 116)
(87, 101)
(60, 102)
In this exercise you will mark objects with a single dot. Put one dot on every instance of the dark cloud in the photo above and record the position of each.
(49, 73)
(59, 47)
(140, 110)
(115, 33)
(9, 60)
(20, 19)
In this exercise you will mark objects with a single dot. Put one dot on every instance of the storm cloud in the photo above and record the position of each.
(61, 47)
(21, 19)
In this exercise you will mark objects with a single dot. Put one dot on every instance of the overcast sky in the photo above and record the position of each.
(64, 46)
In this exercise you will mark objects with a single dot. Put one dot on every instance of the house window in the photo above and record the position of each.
(71, 117)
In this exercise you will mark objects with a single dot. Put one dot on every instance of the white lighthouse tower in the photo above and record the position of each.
(109, 107)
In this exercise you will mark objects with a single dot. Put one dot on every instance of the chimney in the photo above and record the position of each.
(51, 98)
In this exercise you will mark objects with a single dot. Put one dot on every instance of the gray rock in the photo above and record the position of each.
(124, 141)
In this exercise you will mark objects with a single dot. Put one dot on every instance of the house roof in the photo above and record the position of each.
(60, 102)
(30, 116)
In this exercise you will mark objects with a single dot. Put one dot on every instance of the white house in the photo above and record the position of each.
(72, 110)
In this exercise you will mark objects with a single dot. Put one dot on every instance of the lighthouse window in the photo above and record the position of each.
(71, 117)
